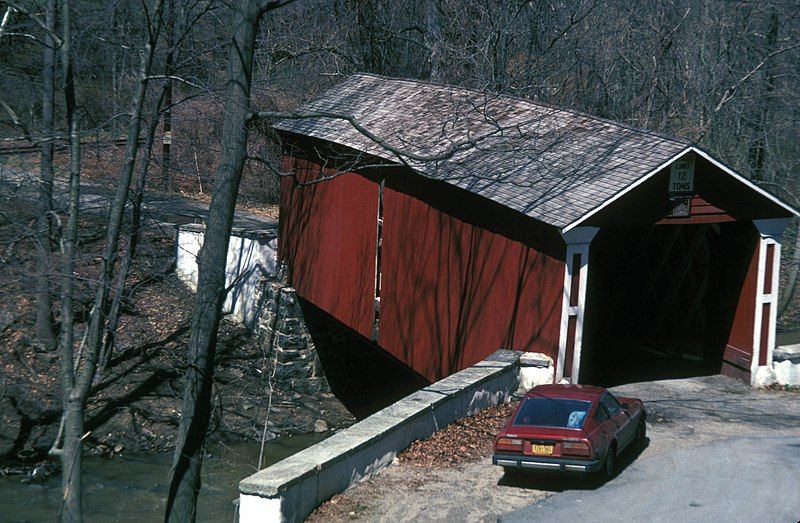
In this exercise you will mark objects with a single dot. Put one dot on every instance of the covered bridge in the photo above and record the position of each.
(441, 224)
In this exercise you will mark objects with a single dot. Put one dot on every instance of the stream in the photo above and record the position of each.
(133, 488)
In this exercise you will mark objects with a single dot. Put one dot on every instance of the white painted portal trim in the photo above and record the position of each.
(762, 257)
(771, 233)
(652, 173)
(578, 242)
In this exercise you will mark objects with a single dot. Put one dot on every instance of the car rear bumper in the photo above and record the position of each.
(543, 463)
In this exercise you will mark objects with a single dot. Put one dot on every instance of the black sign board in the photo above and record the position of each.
(679, 206)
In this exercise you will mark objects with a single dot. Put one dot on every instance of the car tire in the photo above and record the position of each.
(611, 462)
(641, 433)
(510, 472)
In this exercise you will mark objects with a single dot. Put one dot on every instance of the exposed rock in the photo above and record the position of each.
(764, 377)
(320, 426)
(285, 339)
(42, 472)
(787, 373)
(787, 353)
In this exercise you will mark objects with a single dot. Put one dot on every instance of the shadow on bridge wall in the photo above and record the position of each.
(364, 377)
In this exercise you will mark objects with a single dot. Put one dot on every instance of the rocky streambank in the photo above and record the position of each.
(268, 382)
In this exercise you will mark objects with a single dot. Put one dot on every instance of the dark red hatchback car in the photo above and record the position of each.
(569, 428)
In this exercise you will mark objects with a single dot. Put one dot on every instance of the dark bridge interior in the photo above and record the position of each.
(661, 300)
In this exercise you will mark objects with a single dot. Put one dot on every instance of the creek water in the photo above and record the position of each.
(133, 488)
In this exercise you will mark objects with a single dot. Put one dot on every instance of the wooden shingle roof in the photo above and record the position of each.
(552, 164)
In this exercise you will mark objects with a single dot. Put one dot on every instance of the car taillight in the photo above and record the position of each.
(509, 444)
(576, 448)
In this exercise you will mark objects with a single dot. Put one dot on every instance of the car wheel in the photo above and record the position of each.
(610, 462)
(641, 433)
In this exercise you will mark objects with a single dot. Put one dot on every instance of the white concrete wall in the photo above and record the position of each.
(250, 257)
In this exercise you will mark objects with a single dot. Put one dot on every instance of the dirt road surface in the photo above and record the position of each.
(712, 416)
(96, 199)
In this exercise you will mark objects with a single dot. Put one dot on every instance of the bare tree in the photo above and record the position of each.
(45, 335)
(74, 401)
(196, 409)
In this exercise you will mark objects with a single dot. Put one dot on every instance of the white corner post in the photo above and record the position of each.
(766, 313)
(576, 272)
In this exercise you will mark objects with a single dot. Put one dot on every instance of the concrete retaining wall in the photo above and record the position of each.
(294, 487)
(252, 255)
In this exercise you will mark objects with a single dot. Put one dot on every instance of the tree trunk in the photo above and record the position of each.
(45, 336)
(97, 317)
(70, 457)
(169, 71)
(791, 278)
(757, 151)
(189, 446)
(78, 373)
(72, 460)
(433, 39)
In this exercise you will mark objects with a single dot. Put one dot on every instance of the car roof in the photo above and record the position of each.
(583, 392)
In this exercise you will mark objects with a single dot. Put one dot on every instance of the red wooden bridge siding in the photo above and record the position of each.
(454, 291)
(327, 236)
(462, 276)
(738, 353)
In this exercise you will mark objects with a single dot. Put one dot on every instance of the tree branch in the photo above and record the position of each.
(401, 154)
(4, 21)
(38, 21)
(728, 95)
(17, 122)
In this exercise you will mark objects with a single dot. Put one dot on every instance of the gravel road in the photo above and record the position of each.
(715, 447)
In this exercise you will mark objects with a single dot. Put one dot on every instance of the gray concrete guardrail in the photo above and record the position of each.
(291, 489)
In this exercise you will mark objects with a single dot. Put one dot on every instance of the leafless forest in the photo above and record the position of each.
(179, 87)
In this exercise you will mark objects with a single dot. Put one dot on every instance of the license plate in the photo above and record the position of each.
(542, 449)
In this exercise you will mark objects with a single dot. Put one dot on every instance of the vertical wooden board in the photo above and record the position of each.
(569, 355)
(765, 321)
(768, 264)
(453, 293)
(328, 238)
(575, 283)
(741, 335)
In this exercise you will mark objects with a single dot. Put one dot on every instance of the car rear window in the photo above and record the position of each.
(553, 412)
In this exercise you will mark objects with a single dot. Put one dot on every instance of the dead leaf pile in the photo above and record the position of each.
(467, 439)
